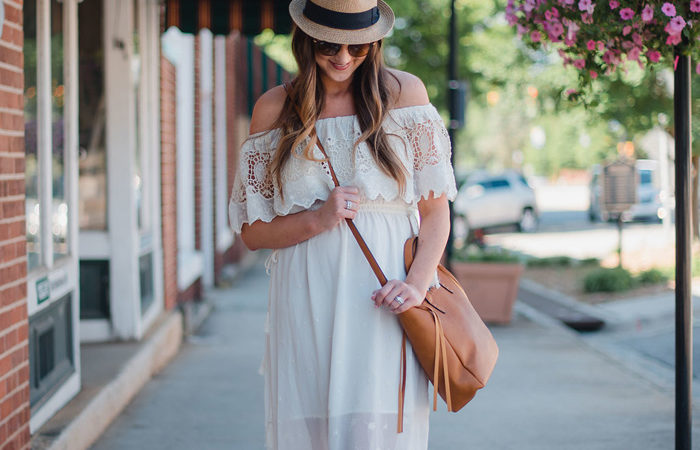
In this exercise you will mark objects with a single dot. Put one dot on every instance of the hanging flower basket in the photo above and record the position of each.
(599, 37)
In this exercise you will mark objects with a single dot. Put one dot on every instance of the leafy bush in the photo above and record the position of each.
(652, 276)
(608, 280)
(550, 261)
(590, 262)
(487, 255)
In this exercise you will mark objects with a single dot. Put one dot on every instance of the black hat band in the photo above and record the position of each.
(340, 20)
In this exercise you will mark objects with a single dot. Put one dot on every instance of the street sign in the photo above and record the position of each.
(43, 290)
(619, 186)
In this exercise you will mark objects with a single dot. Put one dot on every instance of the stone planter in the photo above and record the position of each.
(491, 287)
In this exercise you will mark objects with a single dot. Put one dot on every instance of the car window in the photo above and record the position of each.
(523, 180)
(645, 177)
(499, 183)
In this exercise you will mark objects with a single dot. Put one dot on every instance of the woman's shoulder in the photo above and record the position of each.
(267, 109)
(406, 89)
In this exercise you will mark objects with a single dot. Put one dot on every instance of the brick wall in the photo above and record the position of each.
(14, 345)
(168, 179)
(237, 119)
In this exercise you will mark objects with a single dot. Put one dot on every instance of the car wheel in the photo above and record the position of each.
(592, 217)
(528, 221)
(460, 228)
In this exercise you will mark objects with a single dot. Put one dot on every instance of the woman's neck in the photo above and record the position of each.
(336, 89)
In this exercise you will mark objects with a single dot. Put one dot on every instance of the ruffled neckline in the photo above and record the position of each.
(395, 113)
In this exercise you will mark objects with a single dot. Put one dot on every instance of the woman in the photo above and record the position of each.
(333, 339)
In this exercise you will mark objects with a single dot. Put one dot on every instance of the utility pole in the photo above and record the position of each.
(452, 93)
(684, 310)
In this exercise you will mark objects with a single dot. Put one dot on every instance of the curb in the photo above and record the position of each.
(564, 300)
(94, 419)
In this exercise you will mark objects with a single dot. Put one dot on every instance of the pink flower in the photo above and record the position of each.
(572, 30)
(633, 55)
(551, 14)
(614, 4)
(654, 56)
(529, 5)
(695, 6)
(536, 36)
(668, 9)
(601, 46)
(556, 29)
(587, 18)
(580, 63)
(648, 13)
(626, 30)
(626, 13)
(594, 74)
(608, 57)
(697, 68)
(583, 5)
(676, 25)
(673, 39)
(590, 45)
(637, 38)
(571, 92)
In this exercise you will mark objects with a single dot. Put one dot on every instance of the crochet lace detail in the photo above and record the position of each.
(417, 133)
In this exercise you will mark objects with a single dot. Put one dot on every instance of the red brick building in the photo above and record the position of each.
(116, 162)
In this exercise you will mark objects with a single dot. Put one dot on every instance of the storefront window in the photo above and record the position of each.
(59, 213)
(30, 137)
(92, 167)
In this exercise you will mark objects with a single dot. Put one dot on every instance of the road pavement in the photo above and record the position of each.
(550, 390)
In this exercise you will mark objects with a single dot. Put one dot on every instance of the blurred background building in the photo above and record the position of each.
(120, 123)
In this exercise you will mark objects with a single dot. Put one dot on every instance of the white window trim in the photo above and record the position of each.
(224, 236)
(206, 72)
(189, 268)
(120, 140)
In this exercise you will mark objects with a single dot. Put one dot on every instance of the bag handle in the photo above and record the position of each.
(373, 264)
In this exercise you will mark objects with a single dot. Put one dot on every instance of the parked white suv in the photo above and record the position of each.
(486, 201)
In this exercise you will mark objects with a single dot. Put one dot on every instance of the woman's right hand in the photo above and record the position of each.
(335, 210)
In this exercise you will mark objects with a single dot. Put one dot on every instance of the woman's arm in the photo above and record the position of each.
(432, 237)
(285, 231)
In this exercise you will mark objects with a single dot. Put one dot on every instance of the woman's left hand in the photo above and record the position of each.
(387, 293)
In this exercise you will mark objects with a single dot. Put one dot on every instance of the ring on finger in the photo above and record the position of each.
(398, 299)
(348, 204)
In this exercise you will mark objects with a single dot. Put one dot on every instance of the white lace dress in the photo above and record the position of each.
(331, 361)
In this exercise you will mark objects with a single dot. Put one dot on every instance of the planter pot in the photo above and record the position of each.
(491, 287)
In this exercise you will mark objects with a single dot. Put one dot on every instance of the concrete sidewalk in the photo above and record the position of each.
(550, 390)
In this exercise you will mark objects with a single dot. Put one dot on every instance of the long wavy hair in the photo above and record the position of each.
(371, 98)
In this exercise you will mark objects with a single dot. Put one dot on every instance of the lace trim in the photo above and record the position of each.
(417, 132)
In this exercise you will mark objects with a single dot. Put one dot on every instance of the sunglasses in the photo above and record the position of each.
(332, 49)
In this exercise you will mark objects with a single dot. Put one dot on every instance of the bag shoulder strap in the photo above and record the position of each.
(373, 264)
(355, 232)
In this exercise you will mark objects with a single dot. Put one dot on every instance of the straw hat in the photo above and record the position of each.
(343, 21)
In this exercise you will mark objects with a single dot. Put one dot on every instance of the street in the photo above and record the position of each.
(565, 230)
